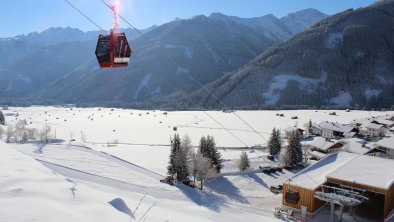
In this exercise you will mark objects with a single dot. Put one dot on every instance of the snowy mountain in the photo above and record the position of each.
(274, 27)
(183, 55)
(344, 60)
(302, 20)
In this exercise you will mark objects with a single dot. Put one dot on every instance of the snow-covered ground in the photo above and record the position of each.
(155, 128)
(103, 170)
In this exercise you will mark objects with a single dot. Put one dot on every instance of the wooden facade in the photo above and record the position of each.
(307, 198)
(389, 201)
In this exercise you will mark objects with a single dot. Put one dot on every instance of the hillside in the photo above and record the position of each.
(344, 60)
(59, 64)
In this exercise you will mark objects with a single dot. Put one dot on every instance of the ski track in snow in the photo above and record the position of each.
(102, 180)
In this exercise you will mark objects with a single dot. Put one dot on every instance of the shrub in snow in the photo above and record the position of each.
(275, 142)
(207, 147)
(243, 163)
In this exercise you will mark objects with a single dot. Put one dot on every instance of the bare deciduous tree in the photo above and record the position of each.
(201, 168)
(45, 133)
(9, 133)
(20, 128)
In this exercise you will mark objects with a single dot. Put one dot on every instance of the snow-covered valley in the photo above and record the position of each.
(105, 165)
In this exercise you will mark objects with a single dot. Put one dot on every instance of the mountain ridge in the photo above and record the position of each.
(203, 48)
(344, 60)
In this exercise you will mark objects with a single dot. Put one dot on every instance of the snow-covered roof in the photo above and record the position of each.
(355, 145)
(373, 126)
(379, 119)
(315, 175)
(335, 126)
(384, 120)
(317, 154)
(355, 168)
(349, 134)
(321, 143)
(387, 143)
(315, 126)
(366, 170)
(292, 128)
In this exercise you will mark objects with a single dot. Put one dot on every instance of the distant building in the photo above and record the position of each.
(290, 129)
(387, 145)
(320, 146)
(374, 126)
(315, 129)
(374, 130)
(337, 130)
(377, 152)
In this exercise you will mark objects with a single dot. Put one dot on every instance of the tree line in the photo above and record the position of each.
(188, 165)
(20, 133)
(291, 155)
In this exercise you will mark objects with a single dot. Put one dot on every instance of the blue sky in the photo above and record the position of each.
(25, 16)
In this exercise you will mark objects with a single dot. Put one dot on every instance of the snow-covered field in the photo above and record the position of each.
(88, 176)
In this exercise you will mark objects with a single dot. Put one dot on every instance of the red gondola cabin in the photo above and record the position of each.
(113, 50)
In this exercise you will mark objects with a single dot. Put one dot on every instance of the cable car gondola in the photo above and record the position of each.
(292, 196)
(113, 50)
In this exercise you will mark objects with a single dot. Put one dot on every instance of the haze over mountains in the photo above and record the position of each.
(59, 63)
(244, 61)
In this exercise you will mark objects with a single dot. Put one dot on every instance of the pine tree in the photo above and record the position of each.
(2, 119)
(208, 149)
(179, 159)
(275, 143)
(294, 154)
(243, 161)
(278, 141)
(175, 146)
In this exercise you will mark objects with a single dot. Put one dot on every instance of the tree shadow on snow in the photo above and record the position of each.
(203, 197)
(223, 186)
(121, 206)
(257, 179)
(40, 148)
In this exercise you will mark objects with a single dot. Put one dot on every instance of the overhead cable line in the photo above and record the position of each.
(84, 15)
(192, 77)
(173, 61)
